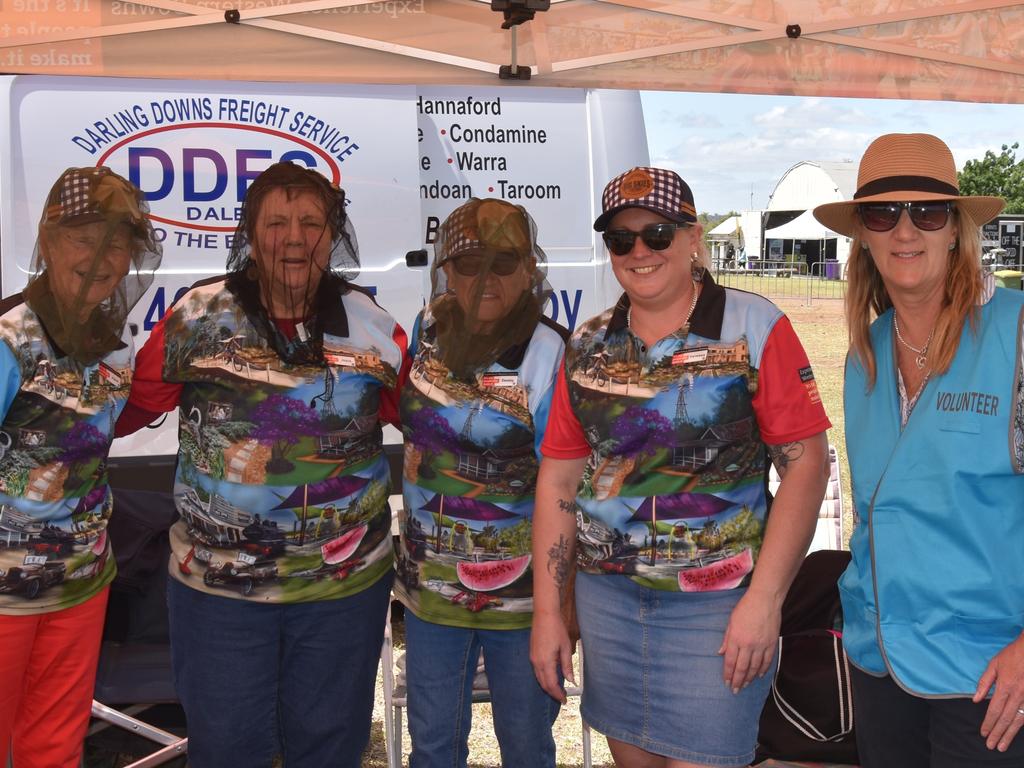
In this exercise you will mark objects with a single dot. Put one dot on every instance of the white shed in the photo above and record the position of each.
(801, 188)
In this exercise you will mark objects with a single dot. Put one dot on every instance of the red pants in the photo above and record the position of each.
(47, 672)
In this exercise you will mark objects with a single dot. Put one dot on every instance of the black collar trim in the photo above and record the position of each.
(706, 320)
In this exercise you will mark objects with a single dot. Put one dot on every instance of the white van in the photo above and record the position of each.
(405, 155)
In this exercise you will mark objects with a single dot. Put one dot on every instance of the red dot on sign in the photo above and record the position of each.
(443, 131)
(490, 189)
(449, 161)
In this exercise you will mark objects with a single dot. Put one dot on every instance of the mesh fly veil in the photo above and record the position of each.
(300, 276)
(485, 248)
(95, 257)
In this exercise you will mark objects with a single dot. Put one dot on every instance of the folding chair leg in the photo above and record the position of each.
(396, 739)
(587, 761)
(173, 746)
(121, 720)
(165, 755)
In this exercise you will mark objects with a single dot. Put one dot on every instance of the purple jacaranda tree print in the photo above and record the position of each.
(640, 432)
(429, 431)
(282, 421)
(431, 434)
(82, 443)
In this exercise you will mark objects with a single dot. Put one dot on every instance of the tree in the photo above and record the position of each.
(14, 472)
(430, 431)
(430, 434)
(282, 421)
(82, 443)
(1001, 175)
(640, 432)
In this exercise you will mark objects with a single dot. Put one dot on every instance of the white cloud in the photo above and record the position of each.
(773, 115)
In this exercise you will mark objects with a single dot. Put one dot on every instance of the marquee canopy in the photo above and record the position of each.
(803, 227)
(961, 50)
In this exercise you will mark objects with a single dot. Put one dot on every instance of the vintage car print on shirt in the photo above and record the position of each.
(282, 486)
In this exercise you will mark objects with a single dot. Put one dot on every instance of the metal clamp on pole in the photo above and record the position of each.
(517, 12)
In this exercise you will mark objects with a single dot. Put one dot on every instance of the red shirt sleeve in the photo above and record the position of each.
(787, 402)
(149, 390)
(563, 437)
(132, 419)
(388, 411)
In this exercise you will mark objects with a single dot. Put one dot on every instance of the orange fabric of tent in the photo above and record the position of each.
(958, 50)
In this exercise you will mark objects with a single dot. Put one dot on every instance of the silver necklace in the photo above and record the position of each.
(689, 314)
(921, 355)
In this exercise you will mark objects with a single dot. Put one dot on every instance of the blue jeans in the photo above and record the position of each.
(440, 665)
(261, 679)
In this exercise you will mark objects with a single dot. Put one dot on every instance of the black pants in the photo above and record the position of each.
(898, 730)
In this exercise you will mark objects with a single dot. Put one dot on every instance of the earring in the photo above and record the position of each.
(864, 246)
(696, 269)
(952, 246)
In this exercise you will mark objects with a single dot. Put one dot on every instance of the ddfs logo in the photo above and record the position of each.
(195, 175)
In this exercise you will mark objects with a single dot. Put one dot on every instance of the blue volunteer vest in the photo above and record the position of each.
(936, 586)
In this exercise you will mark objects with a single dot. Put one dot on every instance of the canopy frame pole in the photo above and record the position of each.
(258, 17)
(821, 31)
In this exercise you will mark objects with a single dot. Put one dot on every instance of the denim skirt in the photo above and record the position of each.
(653, 676)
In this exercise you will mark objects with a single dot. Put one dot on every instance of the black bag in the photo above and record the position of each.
(809, 713)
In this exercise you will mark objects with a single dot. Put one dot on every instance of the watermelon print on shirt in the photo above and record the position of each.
(282, 484)
(674, 489)
(58, 421)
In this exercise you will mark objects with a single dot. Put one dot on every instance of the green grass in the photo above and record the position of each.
(822, 330)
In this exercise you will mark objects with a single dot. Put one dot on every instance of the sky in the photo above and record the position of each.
(732, 149)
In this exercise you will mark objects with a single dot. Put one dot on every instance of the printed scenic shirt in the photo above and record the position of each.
(282, 483)
(472, 451)
(58, 421)
(674, 492)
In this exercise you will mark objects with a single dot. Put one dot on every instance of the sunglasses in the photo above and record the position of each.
(881, 217)
(504, 263)
(657, 237)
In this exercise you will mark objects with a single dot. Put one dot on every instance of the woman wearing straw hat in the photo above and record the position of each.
(934, 597)
(664, 414)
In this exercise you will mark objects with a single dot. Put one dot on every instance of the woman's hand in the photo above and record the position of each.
(551, 654)
(753, 632)
(750, 639)
(1003, 719)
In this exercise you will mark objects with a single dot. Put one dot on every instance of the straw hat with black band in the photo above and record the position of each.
(905, 167)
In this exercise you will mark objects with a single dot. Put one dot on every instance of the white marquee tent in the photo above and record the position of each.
(961, 50)
(742, 231)
(803, 227)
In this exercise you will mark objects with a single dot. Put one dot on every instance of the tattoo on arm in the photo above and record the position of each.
(785, 454)
(569, 507)
(558, 562)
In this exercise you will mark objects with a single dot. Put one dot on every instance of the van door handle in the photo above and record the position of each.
(416, 258)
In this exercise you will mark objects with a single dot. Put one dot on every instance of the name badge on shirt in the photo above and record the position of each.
(499, 379)
(109, 375)
(690, 356)
(338, 358)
